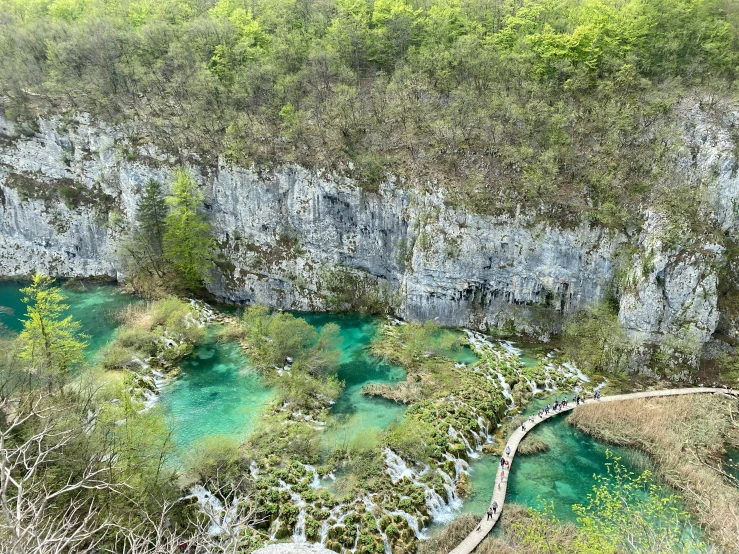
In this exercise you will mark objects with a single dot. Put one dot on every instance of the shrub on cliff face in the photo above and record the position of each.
(595, 340)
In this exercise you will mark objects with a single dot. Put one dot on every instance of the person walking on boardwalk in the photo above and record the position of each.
(507, 450)
(490, 513)
(495, 507)
(546, 410)
(502, 462)
(523, 426)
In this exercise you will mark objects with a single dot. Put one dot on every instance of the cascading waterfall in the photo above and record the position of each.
(460, 466)
(299, 531)
(396, 467)
(220, 516)
(412, 522)
(316, 483)
(151, 397)
(506, 389)
(453, 501)
(336, 513)
(440, 509)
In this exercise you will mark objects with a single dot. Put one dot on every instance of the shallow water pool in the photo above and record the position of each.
(355, 413)
(217, 393)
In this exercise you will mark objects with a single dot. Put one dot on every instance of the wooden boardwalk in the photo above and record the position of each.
(486, 525)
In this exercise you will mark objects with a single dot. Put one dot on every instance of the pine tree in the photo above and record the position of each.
(49, 341)
(188, 243)
(151, 213)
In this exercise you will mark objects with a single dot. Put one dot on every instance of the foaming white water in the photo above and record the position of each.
(508, 345)
(440, 509)
(396, 467)
(222, 518)
(299, 531)
(412, 523)
(316, 483)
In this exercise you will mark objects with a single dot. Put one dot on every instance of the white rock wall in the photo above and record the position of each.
(280, 232)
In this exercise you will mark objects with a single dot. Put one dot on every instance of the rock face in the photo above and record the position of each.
(68, 191)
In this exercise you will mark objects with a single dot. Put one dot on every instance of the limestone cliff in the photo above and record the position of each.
(68, 191)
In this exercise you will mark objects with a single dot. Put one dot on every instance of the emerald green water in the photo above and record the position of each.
(731, 464)
(217, 393)
(354, 414)
(95, 306)
(563, 475)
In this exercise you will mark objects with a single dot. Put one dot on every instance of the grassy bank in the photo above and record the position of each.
(687, 438)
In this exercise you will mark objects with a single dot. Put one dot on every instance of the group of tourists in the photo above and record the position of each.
(558, 406)
(492, 510)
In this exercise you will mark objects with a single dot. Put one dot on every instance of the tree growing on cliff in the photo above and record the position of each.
(50, 342)
(187, 241)
(145, 247)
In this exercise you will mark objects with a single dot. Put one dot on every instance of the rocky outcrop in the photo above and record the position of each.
(68, 191)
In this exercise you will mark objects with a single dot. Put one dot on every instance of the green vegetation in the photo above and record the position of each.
(596, 341)
(188, 244)
(162, 333)
(51, 343)
(83, 465)
(624, 513)
(351, 290)
(688, 439)
(277, 339)
(171, 247)
(563, 106)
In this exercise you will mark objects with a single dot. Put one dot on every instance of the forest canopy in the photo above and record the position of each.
(566, 102)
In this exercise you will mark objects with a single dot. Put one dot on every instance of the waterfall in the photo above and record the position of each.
(575, 371)
(412, 522)
(508, 345)
(396, 467)
(220, 516)
(439, 508)
(506, 388)
(299, 531)
(273, 536)
(316, 483)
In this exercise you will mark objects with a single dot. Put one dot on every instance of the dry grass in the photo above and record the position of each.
(137, 315)
(510, 542)
(686, 437)
(450, 536)
(531, 444)
(405, 392)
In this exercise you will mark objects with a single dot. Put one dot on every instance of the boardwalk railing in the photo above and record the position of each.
(501, 484)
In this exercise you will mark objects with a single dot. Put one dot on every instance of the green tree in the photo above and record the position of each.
(625, 513)
(188, 242)
(145, 246)
(49, 341)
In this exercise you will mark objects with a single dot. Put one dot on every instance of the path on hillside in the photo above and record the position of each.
(499, 492)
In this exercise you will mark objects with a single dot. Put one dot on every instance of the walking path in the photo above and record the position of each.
(486, 525)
